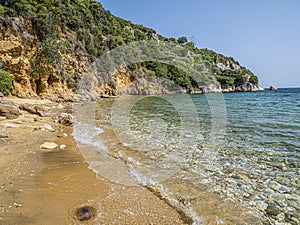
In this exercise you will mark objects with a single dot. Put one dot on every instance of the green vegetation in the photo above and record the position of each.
(98, 31)
(225, 81)
(47, 53)
(182, 40)
(5, 82)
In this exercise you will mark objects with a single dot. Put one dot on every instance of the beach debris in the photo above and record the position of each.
(47, 127)
(10, 112)
(85, 213)
(49, 145)
(62, 146)
(33, 110)
(65, 119)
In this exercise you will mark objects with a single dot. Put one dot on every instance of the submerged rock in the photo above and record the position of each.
(49, 145)
(272, 209)
(85, 213)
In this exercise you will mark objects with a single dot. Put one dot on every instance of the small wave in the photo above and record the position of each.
(86, 134)
(163, 193)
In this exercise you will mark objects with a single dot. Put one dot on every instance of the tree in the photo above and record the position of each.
(182, 40)
(5, 82)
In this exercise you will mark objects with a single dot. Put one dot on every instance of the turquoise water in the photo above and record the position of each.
(243, 148)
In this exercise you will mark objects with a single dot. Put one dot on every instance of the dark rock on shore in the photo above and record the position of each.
(3, 134)
(85, 213)
(33, 110)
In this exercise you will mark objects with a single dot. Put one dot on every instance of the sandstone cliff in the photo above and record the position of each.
(53, 54)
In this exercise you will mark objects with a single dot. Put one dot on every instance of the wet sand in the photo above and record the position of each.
(46, 186)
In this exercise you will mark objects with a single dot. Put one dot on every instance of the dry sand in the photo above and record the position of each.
(45, 187)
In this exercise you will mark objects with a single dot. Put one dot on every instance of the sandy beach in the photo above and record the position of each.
(42, 186)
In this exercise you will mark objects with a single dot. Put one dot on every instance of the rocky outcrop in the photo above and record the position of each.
(9, 111)
(247, 87)
(32, 109)
(18, 44)
(272, 88)
(211, 89)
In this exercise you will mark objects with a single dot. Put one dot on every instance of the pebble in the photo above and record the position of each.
(49, 145)
(62, 146)
(17, 205)
(3, 135)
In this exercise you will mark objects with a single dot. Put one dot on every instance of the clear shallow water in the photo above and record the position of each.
(207, 153)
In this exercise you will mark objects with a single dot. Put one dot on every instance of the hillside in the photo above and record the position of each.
(48, 46)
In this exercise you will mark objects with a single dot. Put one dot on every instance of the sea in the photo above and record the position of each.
(224, 158)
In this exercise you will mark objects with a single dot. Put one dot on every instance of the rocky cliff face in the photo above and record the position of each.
(19, 46)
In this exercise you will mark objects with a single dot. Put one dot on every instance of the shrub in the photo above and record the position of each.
(253, 79)
(182, 40)
(5, 83)
(225, 81)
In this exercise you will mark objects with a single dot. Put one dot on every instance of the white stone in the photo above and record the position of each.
(47, 127)
(49, 145)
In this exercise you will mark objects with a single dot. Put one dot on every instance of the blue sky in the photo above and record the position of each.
(263, 35)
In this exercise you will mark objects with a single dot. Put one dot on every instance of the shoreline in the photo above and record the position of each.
(46, 186)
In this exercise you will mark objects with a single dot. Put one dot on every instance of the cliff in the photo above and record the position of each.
(50, 47)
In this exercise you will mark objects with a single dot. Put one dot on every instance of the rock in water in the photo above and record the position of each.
(49, 145)
(272, 209)
(85, 213)
(272, 88)
(65, 119)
